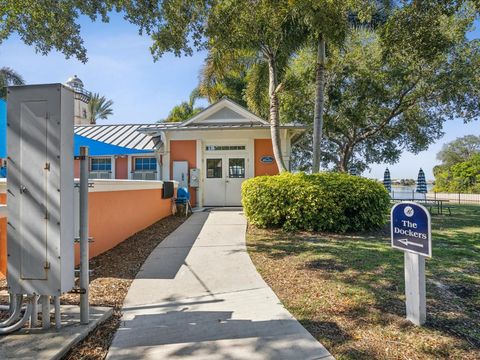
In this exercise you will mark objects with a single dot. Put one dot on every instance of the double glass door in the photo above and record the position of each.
(224, 175)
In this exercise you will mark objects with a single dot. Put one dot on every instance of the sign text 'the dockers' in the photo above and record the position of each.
(411, 228)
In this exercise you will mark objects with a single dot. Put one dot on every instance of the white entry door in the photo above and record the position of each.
(236, 168)
(223, 179)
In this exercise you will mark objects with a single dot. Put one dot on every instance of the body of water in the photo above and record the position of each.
(407, 192)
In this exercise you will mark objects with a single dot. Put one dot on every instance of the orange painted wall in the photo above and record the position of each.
(3, 239)
(76, 169)
(113, 217)
(121, 168)
(263, 147)
(184, 150)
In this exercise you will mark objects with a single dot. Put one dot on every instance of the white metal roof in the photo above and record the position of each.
(147, 136)
(121, 135)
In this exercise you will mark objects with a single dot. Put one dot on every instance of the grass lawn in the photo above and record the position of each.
(348, 290)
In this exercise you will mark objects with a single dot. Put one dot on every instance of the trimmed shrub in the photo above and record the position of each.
(333, 202)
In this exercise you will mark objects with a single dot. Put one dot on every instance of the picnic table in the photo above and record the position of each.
(431, 204)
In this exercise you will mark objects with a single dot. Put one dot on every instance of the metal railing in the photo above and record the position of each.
(454, 198)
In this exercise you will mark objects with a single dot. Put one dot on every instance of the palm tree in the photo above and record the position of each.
(8, 77)
(185, 110)
(334, 19)
(99, 108)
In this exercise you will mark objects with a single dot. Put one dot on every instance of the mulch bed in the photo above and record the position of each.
(112, 274)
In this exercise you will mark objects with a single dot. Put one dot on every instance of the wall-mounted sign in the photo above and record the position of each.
(411, 228)
(266, 159)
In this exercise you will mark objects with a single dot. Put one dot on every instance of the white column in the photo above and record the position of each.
(250, 165)
(199, 160)
(166, 166)
(129, 166)
(112, 176)
(159, 166)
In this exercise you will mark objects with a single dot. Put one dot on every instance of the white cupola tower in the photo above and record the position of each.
(82, 97)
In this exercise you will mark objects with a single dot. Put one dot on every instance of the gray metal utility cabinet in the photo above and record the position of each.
(40, 189)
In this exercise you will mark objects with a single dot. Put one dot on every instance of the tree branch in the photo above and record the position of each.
(396, 110)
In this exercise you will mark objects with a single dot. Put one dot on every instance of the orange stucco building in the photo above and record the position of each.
(210, 154)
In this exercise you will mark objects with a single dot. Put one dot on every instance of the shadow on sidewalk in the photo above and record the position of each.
(168, 257)
(197, 333)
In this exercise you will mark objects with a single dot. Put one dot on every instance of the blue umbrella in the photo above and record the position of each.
(421, 183)
(387, 182)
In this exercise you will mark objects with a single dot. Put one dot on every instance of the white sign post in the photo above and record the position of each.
(411, 232)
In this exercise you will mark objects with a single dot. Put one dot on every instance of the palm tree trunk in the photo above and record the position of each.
(319, 104)
(274, 114)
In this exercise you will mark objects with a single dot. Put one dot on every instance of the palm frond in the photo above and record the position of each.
(99, 108)
(8, 76)
(11, 77)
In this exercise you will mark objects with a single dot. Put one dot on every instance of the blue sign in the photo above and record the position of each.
(3, 129)
(411, 228)
(266, 159)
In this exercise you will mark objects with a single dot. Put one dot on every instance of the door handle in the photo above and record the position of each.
(227, 181)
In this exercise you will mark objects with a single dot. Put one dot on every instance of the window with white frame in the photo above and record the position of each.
(101, 164)
(145, 164)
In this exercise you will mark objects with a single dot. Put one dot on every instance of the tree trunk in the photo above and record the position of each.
(319, 104)
(274, 115)
(345, 157)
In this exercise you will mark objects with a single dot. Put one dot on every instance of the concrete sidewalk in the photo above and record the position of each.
(198, 296)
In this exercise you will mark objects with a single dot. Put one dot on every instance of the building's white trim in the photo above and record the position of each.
(224, 103)
(100, 185)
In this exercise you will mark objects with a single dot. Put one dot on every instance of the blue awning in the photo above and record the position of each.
(98, 148)
(3, 129)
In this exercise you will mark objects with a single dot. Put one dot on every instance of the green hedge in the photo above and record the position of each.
(334, 202)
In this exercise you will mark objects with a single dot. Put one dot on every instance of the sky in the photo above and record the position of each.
(120, 66)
